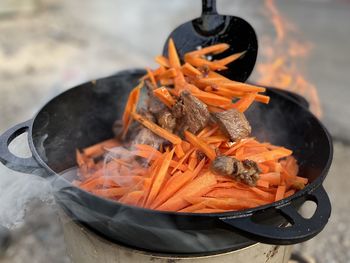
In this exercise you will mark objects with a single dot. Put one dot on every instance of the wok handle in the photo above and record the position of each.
(208, 7)
(24, 165)
(301, 228)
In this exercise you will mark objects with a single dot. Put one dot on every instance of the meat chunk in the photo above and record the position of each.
(191, 113)
(166, 120)
(233, 123)
(246, 171)
(146, 136)
(154, 105)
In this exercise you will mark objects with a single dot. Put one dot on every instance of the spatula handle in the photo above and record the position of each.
(208, 7)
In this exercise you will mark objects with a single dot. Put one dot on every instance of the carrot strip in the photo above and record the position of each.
(163, 61)
(156, 129)
(198, 187)
(200, 62)
(232, 193)
(111, 192)
(212, 99)
(151, 77)
(272, 178)
(281, 189)
(263, 183)
(174, 59)
(237, 146)
(230, 59)
(244, 103)
(197, 142)
(214, 49)
(132, 198)
(159, 177)
(189, 70)
(289, 193)
(179, 151)
(269, 155)
(131, 107)
(181, 161)
(164, 96)
(168, 74)
(209, 210)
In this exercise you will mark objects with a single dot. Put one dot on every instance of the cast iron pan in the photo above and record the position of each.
(84, 115)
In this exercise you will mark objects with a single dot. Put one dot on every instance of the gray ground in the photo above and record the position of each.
(53, 45)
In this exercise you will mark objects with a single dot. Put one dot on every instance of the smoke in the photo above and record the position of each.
(17, 190)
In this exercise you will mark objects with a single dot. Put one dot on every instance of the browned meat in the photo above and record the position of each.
(223, 165)
(154, 105)
(246, 171)
(166, 120)
(146, 136)
(233, 123)
(191, 113)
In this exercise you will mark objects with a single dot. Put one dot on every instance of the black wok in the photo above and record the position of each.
(84, 115)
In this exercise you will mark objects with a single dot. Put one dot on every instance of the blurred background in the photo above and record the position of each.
(48, 46)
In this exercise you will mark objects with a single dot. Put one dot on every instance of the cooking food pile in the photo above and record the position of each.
(186, 147)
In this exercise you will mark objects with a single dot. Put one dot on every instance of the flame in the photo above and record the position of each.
(283, 58)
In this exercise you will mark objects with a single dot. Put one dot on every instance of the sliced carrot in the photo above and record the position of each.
(179, 151)
(232, 193)
(159, 177)
(263, 183)
(157, 129)
(200, 62)
(182, 160)
(189, 70)
(164, 96)
(168, 74)
(111, 192)
(213, 49)
(272, 178)
(237, 145)
(99, 148)
(281, 152)
(289, 193)
(132, 198)
(209, 210)
(163, 61)
(151, 77)
(174, 60)
(230, 59)
(281, 189)
(212, 99)
(198, 187)
(200, 144)
(244, 103)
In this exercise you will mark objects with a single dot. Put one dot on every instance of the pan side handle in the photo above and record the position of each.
(300, 229)
(24, 165)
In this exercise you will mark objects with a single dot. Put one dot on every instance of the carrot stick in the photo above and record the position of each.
(200, 62)
(232, 193)
(182, 160)
(212, 99)
(151, 77)
(230, 59)
(269, 155)
(214, 49)
(159, 177)
(197, 142)
(281, 189)
(272, 178)
(163, 61)
(156, 129)
(132, 198)
(237, 146)
(209, 210)
(289, 193)
(174, 60)
(234, 85)
(111, 192)
(179, 151)
(244, 103)
(164, 96)
(189, 70)
(168, 74)
(198, 187)
(263, 183)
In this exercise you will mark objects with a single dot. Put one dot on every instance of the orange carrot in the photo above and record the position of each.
(189, 70)
(214, 49)
(151, 77)
(197, 142)
(163, 61)
(272, 178)
(192, 208)
(182, 160)
(198, 187)
(174, 60)
(244, 103)
(164, 96)
(111, 192)
(289, 193)
(263, 183)
(170, 73)
(281, 189)
(159, 177)
(269, 155)
(179, 151)
(230, 59)
(157, 129)
(132, 198)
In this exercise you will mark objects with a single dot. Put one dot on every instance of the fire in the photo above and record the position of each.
(283, 58)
